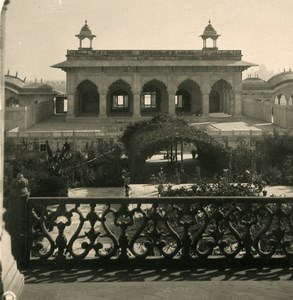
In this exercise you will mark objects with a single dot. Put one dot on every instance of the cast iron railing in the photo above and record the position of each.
(229, 228)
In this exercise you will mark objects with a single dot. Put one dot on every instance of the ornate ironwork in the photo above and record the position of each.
(186, 228)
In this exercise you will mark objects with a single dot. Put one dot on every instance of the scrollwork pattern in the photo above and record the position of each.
(169, 228)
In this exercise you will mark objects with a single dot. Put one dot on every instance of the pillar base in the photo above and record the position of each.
(102, 116)
(11, 279)
(136, 116)
(238, 115)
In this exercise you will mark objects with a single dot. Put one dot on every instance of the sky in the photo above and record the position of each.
(39, 32)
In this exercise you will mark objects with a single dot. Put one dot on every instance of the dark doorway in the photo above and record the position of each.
(88, 98)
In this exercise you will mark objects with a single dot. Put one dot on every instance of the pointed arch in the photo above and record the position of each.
(188, 98)
(88, 99)
(221, 97)
(154, 97)
(282, 99)
(119, 99)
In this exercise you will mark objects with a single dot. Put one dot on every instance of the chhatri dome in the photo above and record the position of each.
(85, 33)
(210, 33)
(255, 83)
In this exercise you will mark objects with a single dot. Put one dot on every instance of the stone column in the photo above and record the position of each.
(11, 281)
(171, 89)
(171, 104)
(226, 100)
(136, 88)
(222, 101)
(205, 104)
(237, 95)
(206, 88)
(103, 106)
(71, 94)
(136, 106)
(70, 105)
(193, 100)
(237, 104)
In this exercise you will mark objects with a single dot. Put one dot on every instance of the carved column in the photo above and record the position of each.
(103, 106)
(70, 90)
(237, 95)
(11, 280)
(70, 105)
(171, 103)
(206, 88)
(226, 96)
(136, 88)
(237, 104)
(136, 106)
(172, 89)
(205, 104)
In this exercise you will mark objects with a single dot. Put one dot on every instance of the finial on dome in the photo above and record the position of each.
(209, 21)
(86, 21)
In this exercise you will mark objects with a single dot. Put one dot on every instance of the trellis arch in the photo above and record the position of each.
(146, 138)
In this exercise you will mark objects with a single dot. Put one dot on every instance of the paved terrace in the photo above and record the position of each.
(157, 282)
(218, 124)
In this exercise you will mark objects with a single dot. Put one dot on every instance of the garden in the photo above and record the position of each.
(216, 170)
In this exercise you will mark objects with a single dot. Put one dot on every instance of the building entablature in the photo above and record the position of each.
(201, 65)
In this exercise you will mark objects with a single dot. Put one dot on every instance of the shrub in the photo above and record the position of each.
(272, 176)
(53, 186)
(220, 188)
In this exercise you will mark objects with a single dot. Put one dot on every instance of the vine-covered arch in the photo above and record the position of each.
(143, 139)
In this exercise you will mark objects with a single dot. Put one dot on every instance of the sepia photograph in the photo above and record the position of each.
(146, 149)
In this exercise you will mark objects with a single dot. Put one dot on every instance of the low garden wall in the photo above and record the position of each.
(27, 116)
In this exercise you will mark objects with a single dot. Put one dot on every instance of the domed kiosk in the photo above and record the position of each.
(85, 33)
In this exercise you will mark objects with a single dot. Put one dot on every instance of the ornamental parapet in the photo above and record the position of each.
(154, 54)
(199, 229)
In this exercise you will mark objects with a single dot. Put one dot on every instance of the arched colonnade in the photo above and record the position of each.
(120, 99)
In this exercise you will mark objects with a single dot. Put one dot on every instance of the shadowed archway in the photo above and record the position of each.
(119, 99)
(221, 97)
(154, 98)
(88, 99)
(188, 98)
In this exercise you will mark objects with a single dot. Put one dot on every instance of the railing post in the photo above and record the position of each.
(17, 212)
